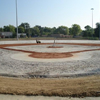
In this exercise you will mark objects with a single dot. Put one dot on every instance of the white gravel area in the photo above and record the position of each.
(16, 67)
(76, 56)
(51, 41)
(16, 97)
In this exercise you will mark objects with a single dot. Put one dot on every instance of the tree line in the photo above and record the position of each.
(38, 30)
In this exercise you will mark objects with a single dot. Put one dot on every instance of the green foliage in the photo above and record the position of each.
(96, 38)
(70, 31)
(1, 29)
(53, 30)
(47, 29)
(36, 31)
(62, 30)
(26, 28)
(21, 29)
(76, 30)
(97, 30)
(92, 38)
(9, 28)
(88, 32)
(25, 25)
(41, 29)
(46, 33)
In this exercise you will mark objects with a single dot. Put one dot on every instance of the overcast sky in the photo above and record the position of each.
(50, 13)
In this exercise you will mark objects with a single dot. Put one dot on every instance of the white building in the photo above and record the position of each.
(6, 34)
(21, 35)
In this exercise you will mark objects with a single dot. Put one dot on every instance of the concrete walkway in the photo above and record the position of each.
(15, 97)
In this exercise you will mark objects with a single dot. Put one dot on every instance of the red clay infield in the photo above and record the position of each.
(49, 55)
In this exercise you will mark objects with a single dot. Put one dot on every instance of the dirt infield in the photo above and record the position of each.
(49, 55)
(74, 87)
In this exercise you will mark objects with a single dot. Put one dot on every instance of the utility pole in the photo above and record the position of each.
(99, 31)
(16, 20)
(92, 20)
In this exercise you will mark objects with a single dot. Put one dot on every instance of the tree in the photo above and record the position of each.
(62, 30)
(87, 27)
(6, 29)
(1, 29)
(41, 29)
(70, 31)
(36, 31)
(88, 32)
(76, 29)
(53, 30)
(21, 29)
(97, 29)
(10, 28)
(26, 27)
(47, 31)
(32, 32)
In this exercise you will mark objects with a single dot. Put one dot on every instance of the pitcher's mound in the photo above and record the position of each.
(55, 46)
(50, 55)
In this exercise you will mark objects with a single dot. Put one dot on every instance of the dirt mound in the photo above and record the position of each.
(50, 55)
(55, 47)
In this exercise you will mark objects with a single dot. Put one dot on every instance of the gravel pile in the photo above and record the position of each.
(17, 68)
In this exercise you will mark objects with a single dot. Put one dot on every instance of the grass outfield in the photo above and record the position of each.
(75, 87)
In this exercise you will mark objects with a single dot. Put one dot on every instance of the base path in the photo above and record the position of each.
(53, 51)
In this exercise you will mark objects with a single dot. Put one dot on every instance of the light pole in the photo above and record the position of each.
(16, 20)
(99, 31)
(92, 20)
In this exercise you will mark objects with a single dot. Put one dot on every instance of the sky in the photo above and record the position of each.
(50, 13)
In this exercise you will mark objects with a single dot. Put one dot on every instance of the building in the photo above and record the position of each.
(6, 34)
(22, 35)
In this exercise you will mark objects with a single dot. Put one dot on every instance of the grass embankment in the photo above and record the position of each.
(75, 87)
